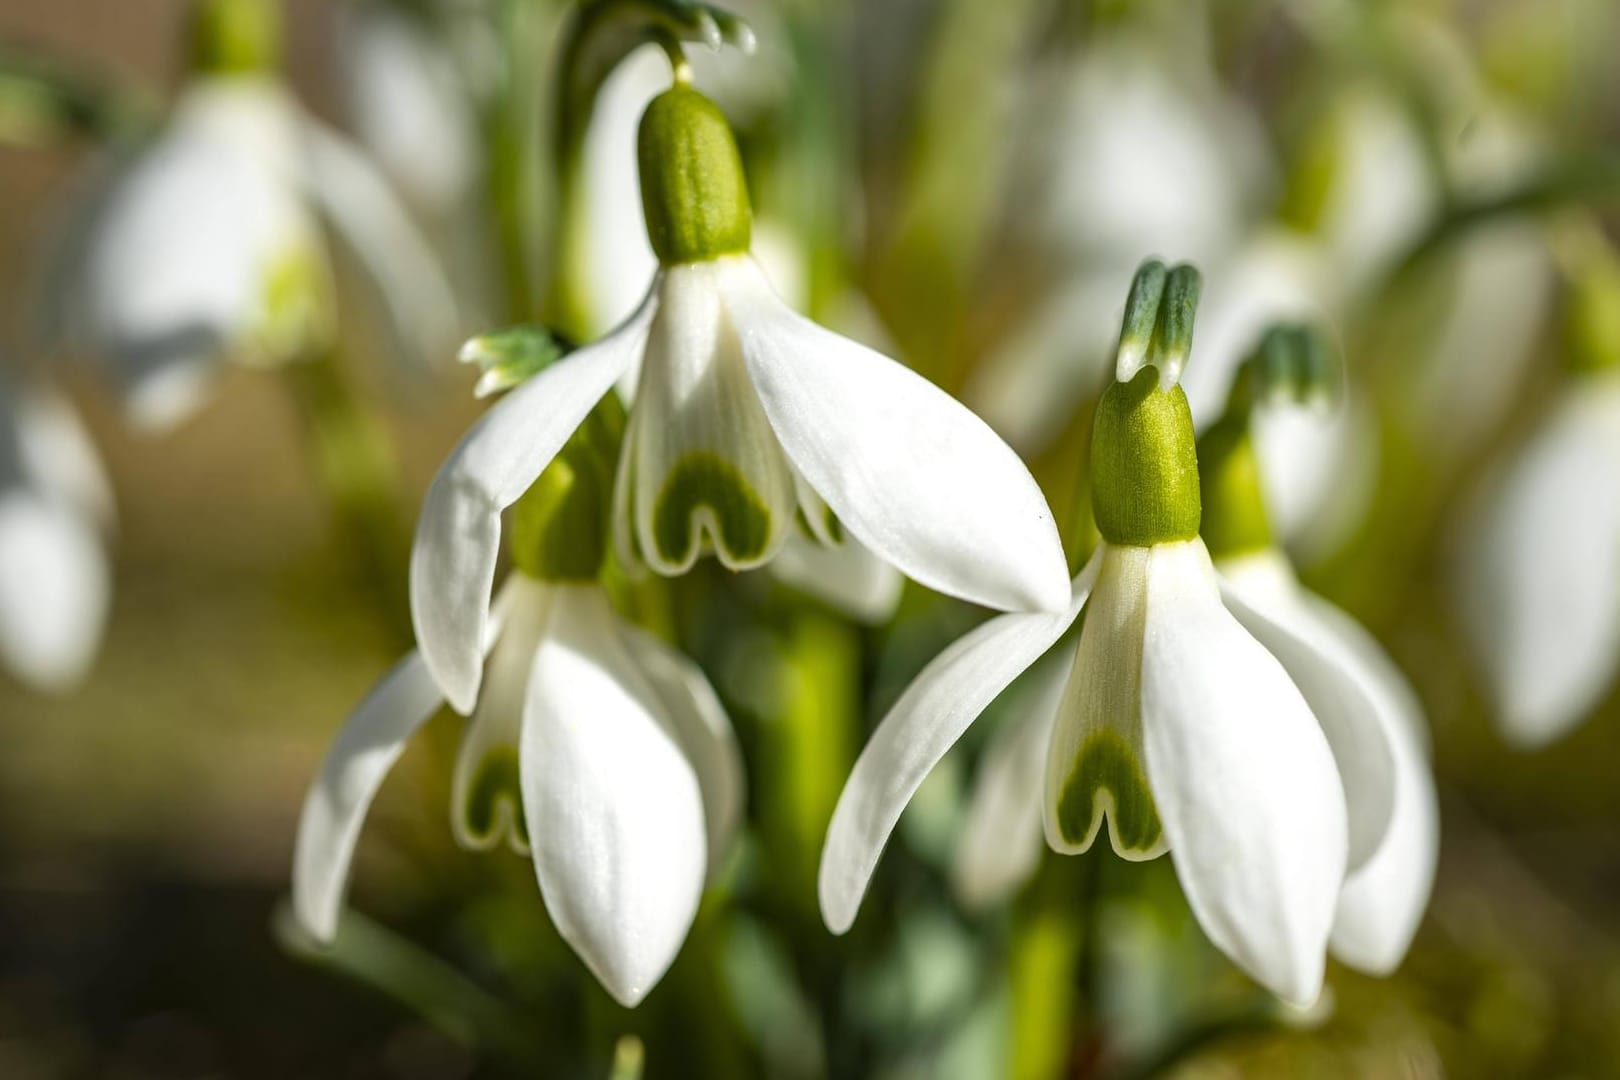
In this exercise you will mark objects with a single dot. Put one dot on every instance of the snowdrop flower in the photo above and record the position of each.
(1369, 714)
(1176, 729)
(54, 579)
(595, 749)
(749, 422)
(208, 246)
(1539, 581)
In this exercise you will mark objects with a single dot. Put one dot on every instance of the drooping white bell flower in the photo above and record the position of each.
(1176, 727)
(207, 247)
(1539, 582)
(749, 421)
(594, 748)
(55, 586)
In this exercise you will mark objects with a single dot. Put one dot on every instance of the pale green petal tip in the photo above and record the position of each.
(706, 494)
(1144, 464)
(492, 805)
(693, 191)
(1108, 781)
(235, 37)
(299, 311)
(510, 356)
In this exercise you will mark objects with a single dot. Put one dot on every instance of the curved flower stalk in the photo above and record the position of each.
(1176, 729)
(594, 748)
(1538, 583)
(55, 586)
(749, 423)
(208, 246)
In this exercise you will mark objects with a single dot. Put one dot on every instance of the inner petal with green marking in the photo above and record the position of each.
(1096, 769)
(706, 474)
(486, 801)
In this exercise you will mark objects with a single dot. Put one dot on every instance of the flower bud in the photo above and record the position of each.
(1235, 520)
(693, 191)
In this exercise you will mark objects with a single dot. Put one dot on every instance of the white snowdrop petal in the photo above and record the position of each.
(930, 716)
(1260, 590)
(55, 590)
(1244, 781)
(616, 821)
(354, 767)
(909, 471)
(420, 303)
(1539, 577)
(847, 576)
(698, 722)
(458, 533)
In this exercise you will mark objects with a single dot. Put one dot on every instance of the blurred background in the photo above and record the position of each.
(968, 185)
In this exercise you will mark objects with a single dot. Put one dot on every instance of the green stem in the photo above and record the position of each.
(513, 171)
(355, 466)
(376, 957)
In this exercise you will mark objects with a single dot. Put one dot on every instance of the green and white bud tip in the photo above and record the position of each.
(1144, 461)
(510, 356)
(1158, 326)
(693, 191)
(235, 37)
(1292, 364)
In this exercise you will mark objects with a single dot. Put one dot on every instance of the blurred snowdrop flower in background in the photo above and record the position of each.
(1176, 726)
(55, 504)
(594, 748)
(410, 104)
(749, 422)
(1538, 581)
(208, 245)
(1149, 156)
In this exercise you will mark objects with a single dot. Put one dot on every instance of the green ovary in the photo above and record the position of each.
(741, 522)
(495, 783)
(1106, 764)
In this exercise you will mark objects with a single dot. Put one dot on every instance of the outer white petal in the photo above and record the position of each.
(1244, 781)
(1261, 590)
(909, 470)
(1382, 903)
(458, 534)
(697, 720)
(1539, 582)
(54, 590)
(615, 814)
(848, 576)
(359, 201)
(930, 716)
(353, 770)
(1002, 841)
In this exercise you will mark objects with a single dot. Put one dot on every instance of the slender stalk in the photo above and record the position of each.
(355, 466)
(376, 957)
